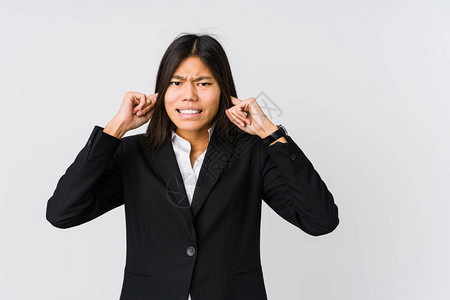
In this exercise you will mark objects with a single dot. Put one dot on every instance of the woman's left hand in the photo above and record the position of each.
(254, 122)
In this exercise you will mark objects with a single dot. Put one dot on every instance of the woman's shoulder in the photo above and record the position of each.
(242, 141)
(238, 140)
(133, 142)
(129, 139)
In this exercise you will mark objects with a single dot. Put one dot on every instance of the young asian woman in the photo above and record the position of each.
(192, 186)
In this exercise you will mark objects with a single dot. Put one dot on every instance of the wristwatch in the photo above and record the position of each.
(275, 135)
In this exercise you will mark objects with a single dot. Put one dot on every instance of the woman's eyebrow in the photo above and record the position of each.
(195, 79)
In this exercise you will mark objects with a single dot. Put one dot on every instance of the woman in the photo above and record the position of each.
(193, 234)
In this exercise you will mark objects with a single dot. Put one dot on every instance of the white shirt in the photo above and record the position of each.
(182, 149)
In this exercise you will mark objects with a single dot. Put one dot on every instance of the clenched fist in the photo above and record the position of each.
(135, 110)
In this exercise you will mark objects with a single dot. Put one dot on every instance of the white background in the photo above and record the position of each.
(363, 87)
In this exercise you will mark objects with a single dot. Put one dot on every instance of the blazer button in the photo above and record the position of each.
(190, 251)
(293, 156)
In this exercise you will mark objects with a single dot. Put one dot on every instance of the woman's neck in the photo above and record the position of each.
(198, 140)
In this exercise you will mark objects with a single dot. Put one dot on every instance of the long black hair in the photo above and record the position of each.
(212, 54)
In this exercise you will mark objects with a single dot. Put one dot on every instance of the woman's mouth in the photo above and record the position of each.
(189, 113)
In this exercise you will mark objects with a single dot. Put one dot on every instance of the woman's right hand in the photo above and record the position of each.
(135, 110)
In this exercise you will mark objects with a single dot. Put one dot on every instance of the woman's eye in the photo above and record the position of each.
(175, 83)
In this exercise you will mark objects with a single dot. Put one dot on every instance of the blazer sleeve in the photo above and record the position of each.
(92, 184)
(295, 191)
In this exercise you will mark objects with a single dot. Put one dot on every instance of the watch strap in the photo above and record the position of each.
(280, 132)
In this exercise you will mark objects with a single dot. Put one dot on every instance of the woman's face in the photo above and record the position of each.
(192, 87)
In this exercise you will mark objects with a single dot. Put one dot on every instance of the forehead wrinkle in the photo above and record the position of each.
(176, 76)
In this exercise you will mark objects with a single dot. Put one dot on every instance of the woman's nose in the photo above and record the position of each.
(189, 91)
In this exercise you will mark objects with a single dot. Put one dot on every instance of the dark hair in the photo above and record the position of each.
(210, 51)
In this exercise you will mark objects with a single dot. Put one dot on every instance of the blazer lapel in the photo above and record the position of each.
(217, 157)
(218, 154)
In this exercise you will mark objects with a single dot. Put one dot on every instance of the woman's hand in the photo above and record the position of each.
(254, 122)
(136, 109)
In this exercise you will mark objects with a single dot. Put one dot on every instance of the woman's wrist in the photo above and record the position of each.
(268, 129)
(115, 129)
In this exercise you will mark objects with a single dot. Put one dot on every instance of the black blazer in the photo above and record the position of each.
(211, 248)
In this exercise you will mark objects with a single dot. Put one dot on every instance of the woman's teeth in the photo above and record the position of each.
(188, 111)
